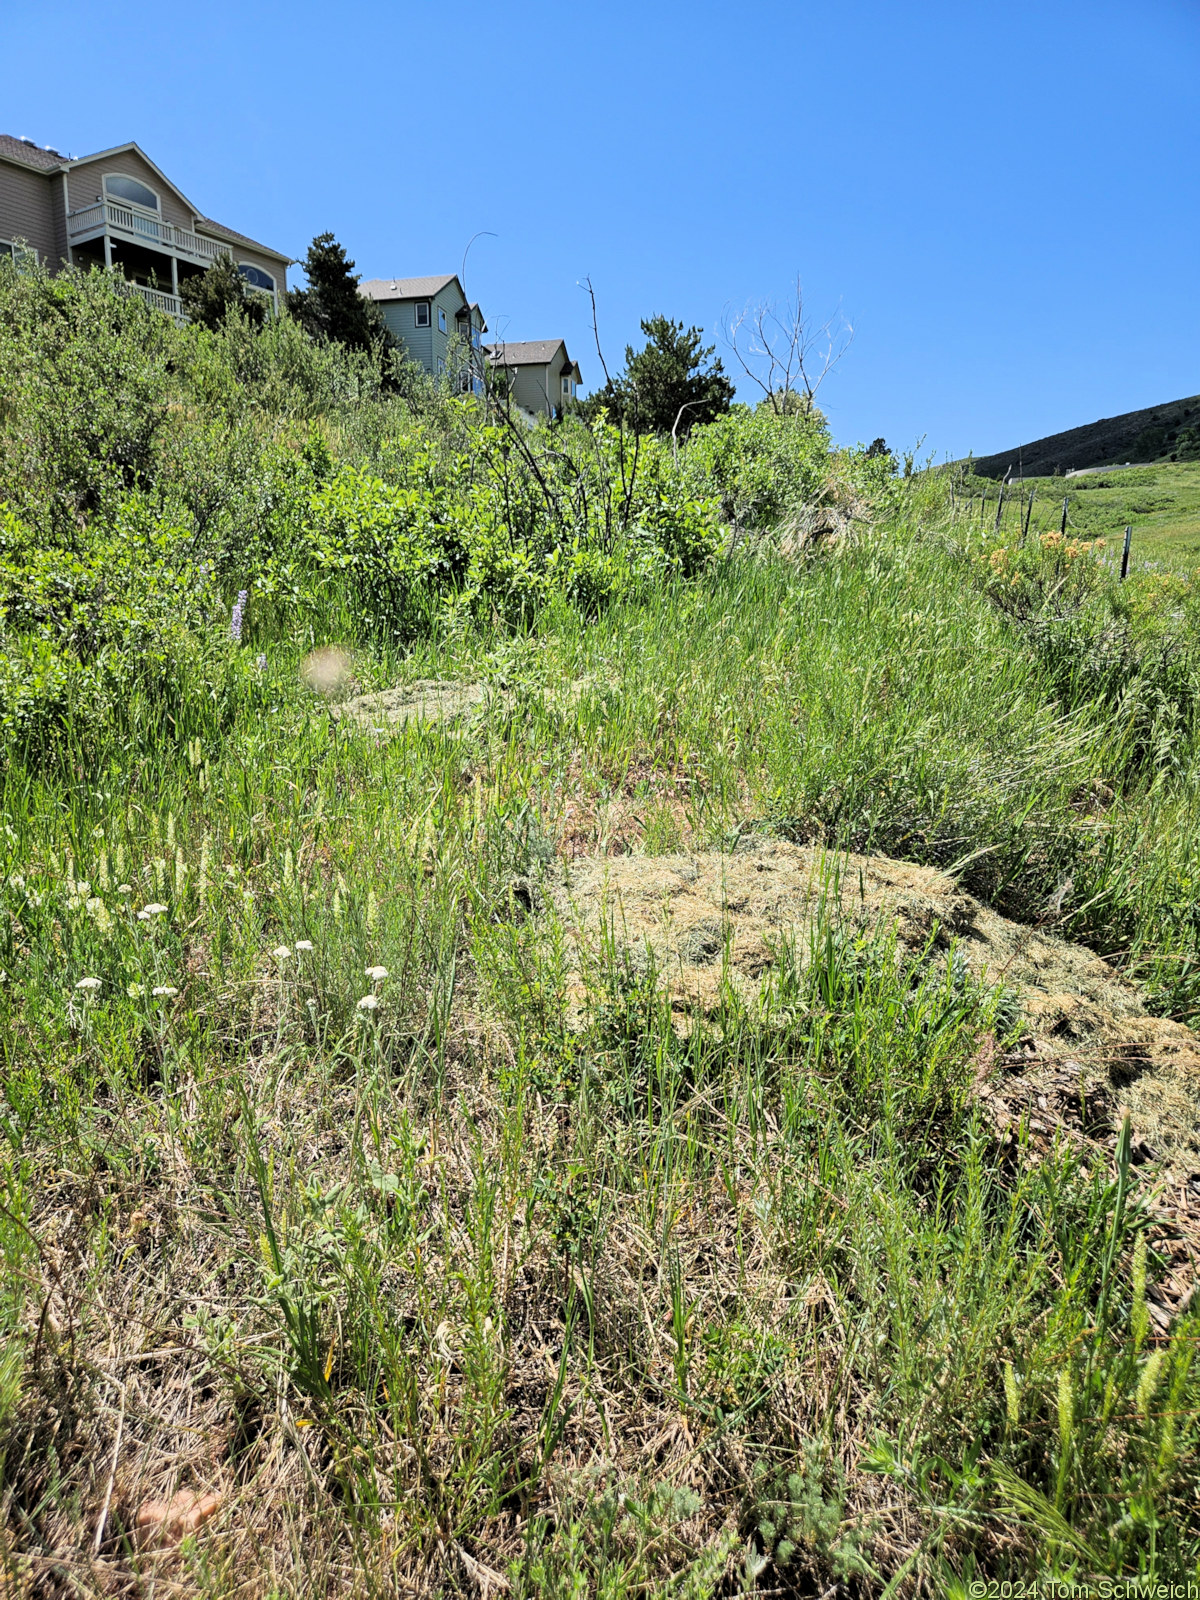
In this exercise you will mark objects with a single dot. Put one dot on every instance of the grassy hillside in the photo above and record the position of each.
(378, 1218)
(1169, 432)
(1161, 503)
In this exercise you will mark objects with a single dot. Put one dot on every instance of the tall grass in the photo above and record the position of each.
(322, 1188)
(452, 1284)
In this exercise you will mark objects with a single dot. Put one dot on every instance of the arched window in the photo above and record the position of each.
(131, 191)
(256, 277)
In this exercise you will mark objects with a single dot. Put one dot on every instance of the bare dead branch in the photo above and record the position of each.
(782, 351)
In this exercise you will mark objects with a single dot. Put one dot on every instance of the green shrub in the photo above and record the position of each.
(763, 467)
(84, 376)
(86, 632)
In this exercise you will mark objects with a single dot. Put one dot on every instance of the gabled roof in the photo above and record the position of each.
(408, 288)
(27, 154)
(530, 353)
(119, 150)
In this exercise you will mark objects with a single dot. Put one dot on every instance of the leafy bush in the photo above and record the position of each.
(772, 468)
(84, 375)
(151, 472)
(84, 632)
(764, 467)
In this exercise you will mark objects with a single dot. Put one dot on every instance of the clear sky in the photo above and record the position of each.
(1002, 198)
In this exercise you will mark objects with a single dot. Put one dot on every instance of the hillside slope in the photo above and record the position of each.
(1167, 432)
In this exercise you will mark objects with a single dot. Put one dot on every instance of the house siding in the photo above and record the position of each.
(427, 346)
(58, 208)
(450, 301)
(531, 387)
(26, 199)
(87, 183)
(401, 319)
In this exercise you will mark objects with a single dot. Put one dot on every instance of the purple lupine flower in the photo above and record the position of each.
(235, 621)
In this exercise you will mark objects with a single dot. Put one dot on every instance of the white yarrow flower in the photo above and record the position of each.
(378, 974)
(154, 909)
(281, 953)
(304, 944)
(88, 983)
(369, 1002)
(124, 888)
(164, 991)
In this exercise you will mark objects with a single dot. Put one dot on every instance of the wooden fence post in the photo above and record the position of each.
(1066, 503)
(1125, 553)
(1028, 516)
(999, 507)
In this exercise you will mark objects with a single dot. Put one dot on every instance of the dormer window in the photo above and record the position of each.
(118, 187)
(256, 278)
(422, 310)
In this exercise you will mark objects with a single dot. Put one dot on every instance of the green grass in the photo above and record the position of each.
(1160, 502)
(451, 1283)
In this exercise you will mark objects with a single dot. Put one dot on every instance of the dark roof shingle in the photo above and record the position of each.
(209, 226)
(405, 288)
(29, 155)
(530, 353)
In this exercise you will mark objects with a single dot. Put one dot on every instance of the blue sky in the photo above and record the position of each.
(1001, 198)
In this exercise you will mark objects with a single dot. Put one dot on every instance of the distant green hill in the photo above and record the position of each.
(1168, 432)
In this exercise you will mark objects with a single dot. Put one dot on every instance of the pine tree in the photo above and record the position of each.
(671, 381)
(331, 306)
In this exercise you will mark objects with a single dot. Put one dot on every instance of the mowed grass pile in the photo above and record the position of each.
(318, 1199)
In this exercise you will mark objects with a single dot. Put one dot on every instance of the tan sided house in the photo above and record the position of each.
(117, 209)
(542, 375)
(432, 318)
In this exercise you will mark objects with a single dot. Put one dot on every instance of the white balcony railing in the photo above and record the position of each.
(142, 227)
(170, 303)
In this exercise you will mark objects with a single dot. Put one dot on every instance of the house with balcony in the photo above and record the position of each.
(435, 323)
(116, 209)
(541, 376)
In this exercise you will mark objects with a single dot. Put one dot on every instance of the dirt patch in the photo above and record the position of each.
(707, 917)
(427, 700)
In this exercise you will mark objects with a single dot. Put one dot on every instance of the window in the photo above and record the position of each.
(131, 191)
(422, 313)
(441, 320)
(566, 386)
(17, 250)
(256, 277)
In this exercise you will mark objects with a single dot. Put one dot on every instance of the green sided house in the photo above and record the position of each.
(433, 320)
(541, 375)
(116, 209)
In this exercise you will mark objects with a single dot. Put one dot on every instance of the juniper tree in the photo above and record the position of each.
(210, 296)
